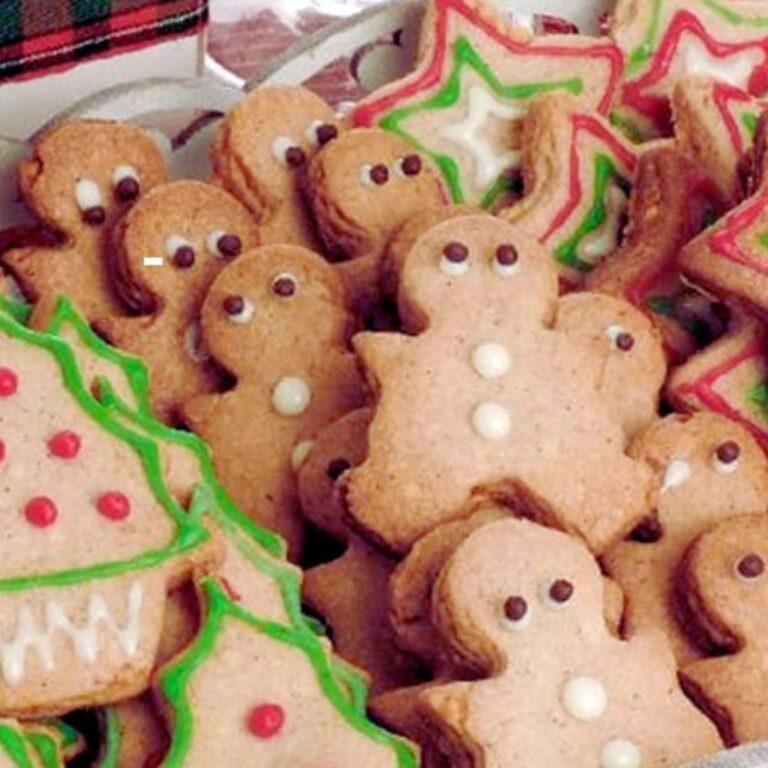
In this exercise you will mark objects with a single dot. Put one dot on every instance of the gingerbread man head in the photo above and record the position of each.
(526, 603)
(80, 178)
(261, 154)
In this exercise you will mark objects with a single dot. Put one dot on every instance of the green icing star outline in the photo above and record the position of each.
(465, 55)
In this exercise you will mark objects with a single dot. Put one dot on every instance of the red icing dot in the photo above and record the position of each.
(266, 721)
(9, 382)
(64, 445)
(2, 450)
(114, 505)
(41, 512)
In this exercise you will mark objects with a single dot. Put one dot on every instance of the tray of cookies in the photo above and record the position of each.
(422, 386)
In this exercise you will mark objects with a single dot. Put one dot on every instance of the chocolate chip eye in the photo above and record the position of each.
(411, 165)
(238, 308)
(325, 133)
(750, 567)
(506, 260)
(287, 152)
(284, 285)
(337, 467)
(648, 531)
(625, 341)
(456, 252)
(224, 244)
(728, 452)
(379, 174)
(90, 202)
(561, 591)
(184, 257)
(295, 157)
(515, 608)
(125, 180)
(95, 216)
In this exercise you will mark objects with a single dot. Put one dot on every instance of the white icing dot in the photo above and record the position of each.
(490, 360)
(300, 453)
(613, 332)
(492, 421)
(365, 175)
(174, 242)
(521, 624)
(193, 344)
(245, 315)
(280, 147)
(454, 268)
(723, 467)
(311, 132)
(620, 753)
(291, 396)
(585, 698)
(212, 242)
(677, 473)
(87, 194)
(124, 172)
(506, 270)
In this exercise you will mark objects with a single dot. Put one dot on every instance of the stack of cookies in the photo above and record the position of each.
(431, 433)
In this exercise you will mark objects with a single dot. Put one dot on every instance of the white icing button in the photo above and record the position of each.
(124, 172)
(193, 344)
(490, 360)
(620, 753)
(492, 421)
(212, 242)
(677, 473)
(245, 315)
(174, 242)
(300, 453)
(280, 147)
(585, 698)
(454, 268)
(291, 396)
(506, 270)
(87, 194)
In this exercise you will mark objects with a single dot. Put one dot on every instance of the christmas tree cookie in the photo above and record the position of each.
(475, 79)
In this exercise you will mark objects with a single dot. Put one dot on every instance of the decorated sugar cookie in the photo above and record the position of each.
(578, 172)
(730, 377)
(476, 76)
(47, 744)
(261, 153)
(362, 188)
(527, 603)
(664, 41)
(723, 589)
(715, 124)
(92, 612)
(708, 469)
(672, 202)
(276, 320)
(80, 178)
(169, 249)
(484, 401)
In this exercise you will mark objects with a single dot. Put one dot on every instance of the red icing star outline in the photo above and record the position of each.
(725, 241)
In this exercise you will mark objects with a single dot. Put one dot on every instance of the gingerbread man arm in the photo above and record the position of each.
(378, 350)
(198, 411)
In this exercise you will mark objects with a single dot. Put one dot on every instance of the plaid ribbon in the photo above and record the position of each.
(40, 36)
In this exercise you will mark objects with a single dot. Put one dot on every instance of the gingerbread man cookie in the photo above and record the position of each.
(362, 188)
(708, 469)
(476, 76)
(578, 172)
(723, 587)
(485, 401)
(672, 202)
(527, 603)
(276, 320)
(168, 250)
(79, 179)
(261, 152)
(664, 41)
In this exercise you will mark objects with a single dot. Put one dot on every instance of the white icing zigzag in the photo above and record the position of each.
(85, 638)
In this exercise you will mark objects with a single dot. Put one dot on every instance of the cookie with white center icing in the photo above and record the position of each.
(489, 392)
(276, 320)
(525, 603)
(80, 178)
(261, 154)
(723, 591)
(168, 250)
(665, 41)
(672, 201)
(708, 469)
(362, 188)
(81, 624)
(578, 172)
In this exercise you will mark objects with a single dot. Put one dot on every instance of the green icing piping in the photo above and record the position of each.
(14, 744)
(464, 54)
(111, 739)
(19, 310)
(189, 533)
(758, 396)
(175, 678)
(749, 121)
(605, 170)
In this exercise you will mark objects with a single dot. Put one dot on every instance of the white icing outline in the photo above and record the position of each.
(604, 240)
